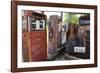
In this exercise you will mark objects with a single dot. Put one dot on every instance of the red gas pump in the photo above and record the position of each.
(34, 36)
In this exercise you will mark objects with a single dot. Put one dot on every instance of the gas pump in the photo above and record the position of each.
(34, 38)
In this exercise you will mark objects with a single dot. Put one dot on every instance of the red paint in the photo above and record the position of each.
(38, 47)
